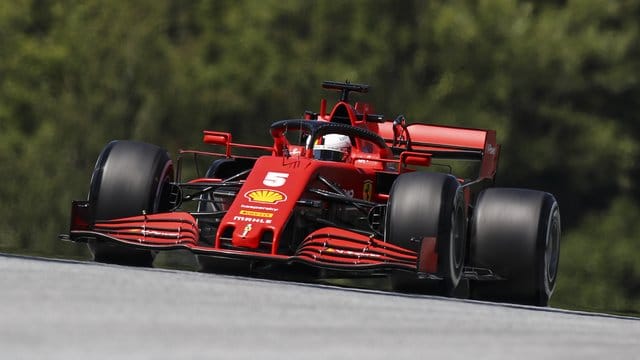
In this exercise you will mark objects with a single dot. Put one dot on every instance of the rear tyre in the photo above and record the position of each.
(421, 205)
(129, 178)
(516, 234)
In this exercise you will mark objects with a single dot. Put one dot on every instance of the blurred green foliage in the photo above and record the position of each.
(558, 80)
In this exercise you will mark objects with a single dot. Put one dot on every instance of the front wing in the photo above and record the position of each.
(329, 247)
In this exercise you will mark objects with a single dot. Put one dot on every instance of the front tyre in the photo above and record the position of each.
(129, 178)
(516, 234)
(423, 204)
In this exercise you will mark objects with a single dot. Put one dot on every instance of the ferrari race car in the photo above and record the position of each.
(344, 193)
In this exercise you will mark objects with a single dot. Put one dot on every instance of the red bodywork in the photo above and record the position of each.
(287, 188)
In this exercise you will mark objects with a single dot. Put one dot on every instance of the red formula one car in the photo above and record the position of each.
(340, 193)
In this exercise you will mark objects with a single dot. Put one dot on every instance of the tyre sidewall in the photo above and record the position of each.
(511, 232)
(129, 178)
(427, 205)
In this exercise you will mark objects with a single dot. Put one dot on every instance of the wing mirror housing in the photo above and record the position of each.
(413, 158)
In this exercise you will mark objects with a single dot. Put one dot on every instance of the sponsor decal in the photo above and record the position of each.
(491, 150)
(256, 207)
(265, 196)
(259, 214)
(252, 219)
(367, 190)
(354, 254)
(246, 230)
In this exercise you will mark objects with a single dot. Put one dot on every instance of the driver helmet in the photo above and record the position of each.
(334, 147)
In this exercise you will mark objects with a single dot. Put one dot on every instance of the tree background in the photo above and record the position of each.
(559, 81)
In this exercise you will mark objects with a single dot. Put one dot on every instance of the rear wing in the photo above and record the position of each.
(445, 142)
(435, 141)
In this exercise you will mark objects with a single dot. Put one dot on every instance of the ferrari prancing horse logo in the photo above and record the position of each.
(367, 190)
(246, 231)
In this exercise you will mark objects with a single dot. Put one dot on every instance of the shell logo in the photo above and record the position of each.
(265, 196)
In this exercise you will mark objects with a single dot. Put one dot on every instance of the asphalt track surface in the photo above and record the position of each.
(52, 309)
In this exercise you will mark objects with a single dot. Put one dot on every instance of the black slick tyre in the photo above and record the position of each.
(423, 204)
(515, 233)
(129, 178)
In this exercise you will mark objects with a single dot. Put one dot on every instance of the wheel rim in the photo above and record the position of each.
(456, 243)
(552, 249)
